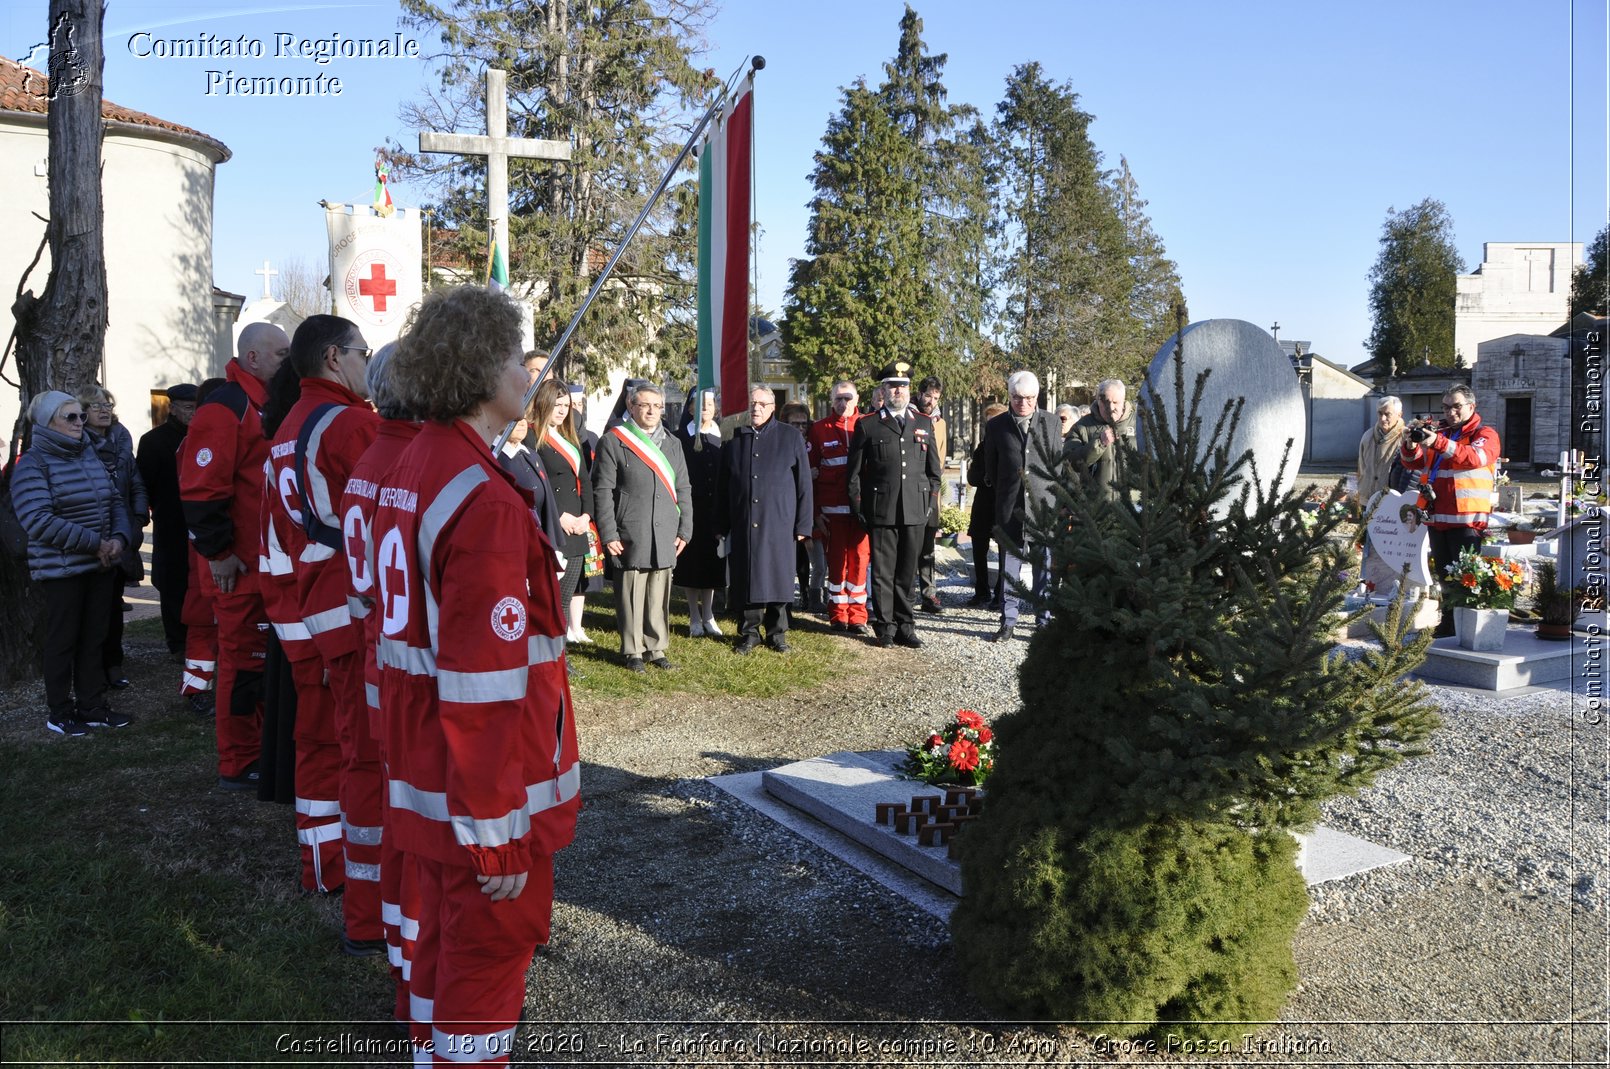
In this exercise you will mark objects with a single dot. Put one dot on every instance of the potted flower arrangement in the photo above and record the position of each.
(1557, 608)
(1481, 591)
(963, 753)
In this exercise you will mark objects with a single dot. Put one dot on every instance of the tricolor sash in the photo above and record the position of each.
(571, 454)
(649, 453)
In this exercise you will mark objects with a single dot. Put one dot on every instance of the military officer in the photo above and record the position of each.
(894, 481)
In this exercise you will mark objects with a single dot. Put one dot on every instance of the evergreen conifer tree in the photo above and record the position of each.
(1590, 282)
(853, 302)
(1182, 711)
(1413, 287)
(1065, 278)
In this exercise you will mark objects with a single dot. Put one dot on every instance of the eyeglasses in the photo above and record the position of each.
(73, 417)
(762, 404)
(100, 404)
(1025, 397)
(1455, 407)
(847, 398)
(366, 353)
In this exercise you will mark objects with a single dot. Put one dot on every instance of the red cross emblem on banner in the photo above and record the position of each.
(377, 287)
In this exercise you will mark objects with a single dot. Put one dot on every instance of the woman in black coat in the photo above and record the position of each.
(700, 570)
(981, 523)
(569, 469)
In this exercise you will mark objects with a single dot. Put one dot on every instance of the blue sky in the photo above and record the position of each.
(1269, 138)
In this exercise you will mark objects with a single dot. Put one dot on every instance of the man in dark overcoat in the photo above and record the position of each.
(764, 485)
(158, 461)
(894, 480)
(1019, 445)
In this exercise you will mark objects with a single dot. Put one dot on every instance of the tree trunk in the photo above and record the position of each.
(61, 336)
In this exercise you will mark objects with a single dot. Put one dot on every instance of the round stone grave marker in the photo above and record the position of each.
(1246, 362)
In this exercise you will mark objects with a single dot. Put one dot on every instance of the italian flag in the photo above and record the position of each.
(726, 173)
(497, 268)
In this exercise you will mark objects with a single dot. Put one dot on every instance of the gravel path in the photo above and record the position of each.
(679, 904)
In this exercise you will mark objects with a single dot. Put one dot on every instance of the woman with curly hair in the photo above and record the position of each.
(479, 735)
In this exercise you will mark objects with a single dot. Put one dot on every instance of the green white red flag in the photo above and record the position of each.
(726, 179)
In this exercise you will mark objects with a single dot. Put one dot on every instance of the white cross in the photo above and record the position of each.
(266, 272)
(498, 148)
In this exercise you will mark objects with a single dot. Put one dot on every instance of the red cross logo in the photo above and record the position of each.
(290, 497)
(508, 619)
(393, 583)
(356, 535)
(377, 287)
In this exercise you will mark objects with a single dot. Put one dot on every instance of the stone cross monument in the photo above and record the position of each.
(498, 148)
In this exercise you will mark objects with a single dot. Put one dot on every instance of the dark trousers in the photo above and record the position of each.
(926, 587)
(76, 621)
(170, 574)
(773, 614)
(894, 577)
(112, 644)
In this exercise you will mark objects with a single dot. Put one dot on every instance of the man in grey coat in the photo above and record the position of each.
(645, 517)
(764, 489)
(1022, 448)
(1094, 442)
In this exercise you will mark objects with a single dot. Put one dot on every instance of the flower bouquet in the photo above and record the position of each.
(963, 753)
(1477, 582)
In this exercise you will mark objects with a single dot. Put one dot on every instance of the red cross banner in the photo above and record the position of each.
(376, 267)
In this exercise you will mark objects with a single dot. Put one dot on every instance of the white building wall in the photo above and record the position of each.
(158, 199)
(1521, 287)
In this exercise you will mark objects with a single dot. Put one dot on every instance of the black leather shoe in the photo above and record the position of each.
(362, 948)
(244, 781)
(635, 664)
(931, 605)
(1002, 634)
(661, 662)
(885, 641)
(120, 683)
(203, 704)
(978, 600)
(779, 644)
(858, 630)
(910, 642)
(746, 646)
(838, 625)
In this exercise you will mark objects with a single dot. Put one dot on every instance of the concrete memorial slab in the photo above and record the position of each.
(1525, 661)
(833, 801)
(1246, 363)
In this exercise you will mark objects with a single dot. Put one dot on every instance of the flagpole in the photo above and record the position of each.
(758, 63)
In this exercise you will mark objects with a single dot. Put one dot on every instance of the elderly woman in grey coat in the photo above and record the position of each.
(78, 530)
(111, 442)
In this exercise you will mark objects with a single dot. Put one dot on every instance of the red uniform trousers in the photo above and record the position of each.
(361, 783)
(242, 650)
(471, 960)
(201, 632)
(399, 914)
(318, 779)
(848, 552)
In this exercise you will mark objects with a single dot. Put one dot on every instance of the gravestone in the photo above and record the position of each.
(1245, 362)
(1397, 539)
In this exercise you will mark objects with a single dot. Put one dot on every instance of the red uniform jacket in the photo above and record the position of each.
(1466, 486)
(281, 539)
(828, 446)
(335, 443)
(480, 740)
(357, 521)
(221, 472)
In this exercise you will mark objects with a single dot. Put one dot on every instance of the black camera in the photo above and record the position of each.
(1422, 431)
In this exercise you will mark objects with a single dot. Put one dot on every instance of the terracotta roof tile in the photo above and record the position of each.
(25, 90)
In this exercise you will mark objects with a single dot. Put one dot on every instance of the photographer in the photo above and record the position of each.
(1456, 461)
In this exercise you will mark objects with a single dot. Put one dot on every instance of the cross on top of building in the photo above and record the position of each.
(266, 272)
(498, 148)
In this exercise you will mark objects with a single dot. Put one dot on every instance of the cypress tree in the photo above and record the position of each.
(1413, 286)
(1182, 711)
